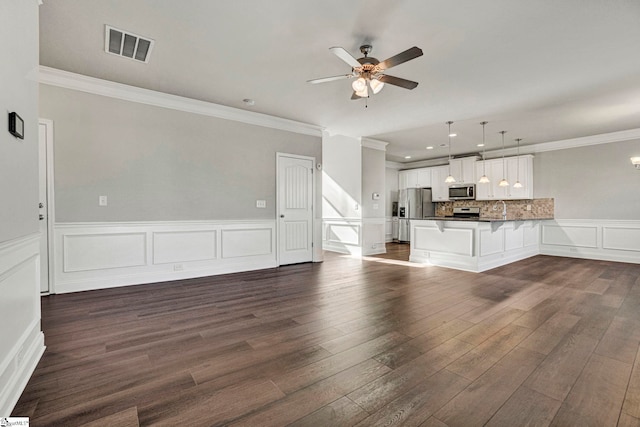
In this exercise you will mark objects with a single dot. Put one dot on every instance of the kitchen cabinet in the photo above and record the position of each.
(496, 171)
(407, 179)
(439, 188)
(414, 178)
(464, 169)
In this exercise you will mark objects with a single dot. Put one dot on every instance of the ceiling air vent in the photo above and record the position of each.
(129, 45)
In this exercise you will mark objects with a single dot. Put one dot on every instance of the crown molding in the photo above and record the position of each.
(584, 141)
(374, 144)
(55, 77)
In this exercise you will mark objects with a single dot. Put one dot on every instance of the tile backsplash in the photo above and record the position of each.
(516, 209)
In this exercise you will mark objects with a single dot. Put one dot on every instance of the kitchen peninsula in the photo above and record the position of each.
(487, 239)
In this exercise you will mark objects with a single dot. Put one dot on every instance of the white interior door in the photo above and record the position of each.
(43, 145)
(295, 209)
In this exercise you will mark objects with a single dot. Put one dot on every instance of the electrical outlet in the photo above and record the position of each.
(528, 207)
(102, 200)
(375, 206)
(178, 267)
(261, 203)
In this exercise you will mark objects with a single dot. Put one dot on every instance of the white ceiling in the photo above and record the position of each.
(542, 70)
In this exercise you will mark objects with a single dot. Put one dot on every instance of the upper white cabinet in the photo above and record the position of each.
(464, 169)
(513, 169)
(424, 177)
(414, 178)
(439, 188)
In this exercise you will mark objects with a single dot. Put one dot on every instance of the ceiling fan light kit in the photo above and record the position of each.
(368, 71)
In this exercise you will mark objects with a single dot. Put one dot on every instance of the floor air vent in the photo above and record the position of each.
(127, 44)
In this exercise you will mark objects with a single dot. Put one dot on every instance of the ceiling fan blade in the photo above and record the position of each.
(354, 96)
(397, 81)
(330, 79)
(400, 58)
(345, 56)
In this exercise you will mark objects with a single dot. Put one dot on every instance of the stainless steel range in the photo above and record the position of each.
(467, 213)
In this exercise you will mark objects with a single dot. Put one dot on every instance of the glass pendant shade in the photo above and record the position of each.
(517, 185)
(376, 85)
(450, 179)
(484, 179)
(503, 183)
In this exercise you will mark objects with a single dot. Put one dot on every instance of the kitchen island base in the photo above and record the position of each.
(474, 246)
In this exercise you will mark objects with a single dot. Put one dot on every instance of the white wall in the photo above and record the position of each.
(341, 177)
(21, 341)
(373, 181)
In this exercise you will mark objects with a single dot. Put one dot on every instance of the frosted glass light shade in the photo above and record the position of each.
(359, 84)
(517, 185)
(483, 179)
(503, 183)
(376, 85)
(450, 179)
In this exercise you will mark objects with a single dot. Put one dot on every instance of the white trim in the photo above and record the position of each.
(54, 77)
(248, 253)
(51, 199)
(374, 144)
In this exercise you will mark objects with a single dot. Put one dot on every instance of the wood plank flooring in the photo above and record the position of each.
(348, 342)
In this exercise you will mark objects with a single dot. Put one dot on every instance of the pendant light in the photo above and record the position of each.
(517, 184)
(450, 179)
(483, 179)
(503, 182)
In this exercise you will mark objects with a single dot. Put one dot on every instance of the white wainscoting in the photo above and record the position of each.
(610, 240)
(373, 236)
(354, 236)
(343, 235)
(104, 255)
(21, 340)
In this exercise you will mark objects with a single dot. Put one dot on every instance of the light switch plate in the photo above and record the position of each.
(261, 203)
(102, 200)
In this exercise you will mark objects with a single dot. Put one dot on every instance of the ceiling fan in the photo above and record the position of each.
(369, 71)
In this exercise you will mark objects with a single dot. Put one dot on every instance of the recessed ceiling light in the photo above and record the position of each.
(453, 134)
(430, 148)
(407, 157)
(249, 101)
(480, 145)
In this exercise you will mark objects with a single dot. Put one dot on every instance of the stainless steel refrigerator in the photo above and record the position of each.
(413, 203)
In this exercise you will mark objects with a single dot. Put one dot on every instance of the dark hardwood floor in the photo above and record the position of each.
(368, 342)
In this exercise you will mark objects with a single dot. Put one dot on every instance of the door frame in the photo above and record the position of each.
(50, 202)
(279, 155)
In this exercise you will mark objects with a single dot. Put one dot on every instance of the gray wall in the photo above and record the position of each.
(594, 182)
(373, 177)
(157, 164)
(19, 93)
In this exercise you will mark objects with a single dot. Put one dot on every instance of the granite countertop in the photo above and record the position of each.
(442, 218)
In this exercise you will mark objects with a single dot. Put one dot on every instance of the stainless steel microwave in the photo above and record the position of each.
(462, 192)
